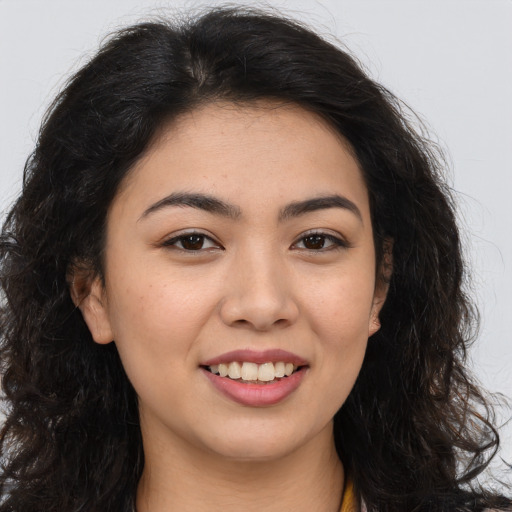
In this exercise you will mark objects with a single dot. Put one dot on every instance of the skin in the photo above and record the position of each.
(258, 283)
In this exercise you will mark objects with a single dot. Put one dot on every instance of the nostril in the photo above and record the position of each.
(262, 325)
(257, 308)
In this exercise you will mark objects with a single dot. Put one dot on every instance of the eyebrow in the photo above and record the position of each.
(217, 206)
(299, 208)
(199, 201)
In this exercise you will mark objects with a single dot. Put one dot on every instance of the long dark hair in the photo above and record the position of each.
(414, 432)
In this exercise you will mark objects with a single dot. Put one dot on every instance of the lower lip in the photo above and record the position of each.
(257, 395)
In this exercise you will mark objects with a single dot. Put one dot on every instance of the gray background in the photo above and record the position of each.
(450, 60)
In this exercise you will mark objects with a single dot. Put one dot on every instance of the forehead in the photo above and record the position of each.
(263, 153)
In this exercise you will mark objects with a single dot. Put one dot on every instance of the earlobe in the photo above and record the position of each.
(374, 324)
(381, 286)
(88, 295)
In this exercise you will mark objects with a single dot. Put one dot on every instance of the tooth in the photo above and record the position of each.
(288, 369)
(214, 368)
(223, 370)
(279, 369)
(249, 371)
(234, 370)
(266, 372)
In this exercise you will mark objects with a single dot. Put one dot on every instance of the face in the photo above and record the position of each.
(241, 244)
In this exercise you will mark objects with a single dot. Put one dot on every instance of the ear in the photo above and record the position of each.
(88, 294)
(381, 286)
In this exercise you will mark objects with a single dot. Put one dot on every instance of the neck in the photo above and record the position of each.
(178, 478)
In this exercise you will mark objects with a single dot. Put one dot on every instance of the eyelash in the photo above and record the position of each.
(336, 242)
(183, 236)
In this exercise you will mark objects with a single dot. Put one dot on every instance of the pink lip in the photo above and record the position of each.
(258, 357)
(256, 395)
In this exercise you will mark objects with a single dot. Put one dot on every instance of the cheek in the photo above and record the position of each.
(154, 296)
(155, 317)
(340, 308)
(155, 326)
(341, 322)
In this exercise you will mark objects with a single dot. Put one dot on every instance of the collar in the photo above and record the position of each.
(348, 501)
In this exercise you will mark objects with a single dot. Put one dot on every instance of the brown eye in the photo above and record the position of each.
(320, 242)
(192, 242)
(314, 242)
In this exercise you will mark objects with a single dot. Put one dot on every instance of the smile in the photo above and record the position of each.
(254, 378)
(253, 373)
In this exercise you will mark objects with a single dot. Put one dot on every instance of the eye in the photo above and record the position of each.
(192, 242)
(319, 242)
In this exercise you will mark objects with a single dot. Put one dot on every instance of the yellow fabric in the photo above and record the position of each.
(348, 502)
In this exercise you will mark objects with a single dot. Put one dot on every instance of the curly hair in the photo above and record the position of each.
(415, 431)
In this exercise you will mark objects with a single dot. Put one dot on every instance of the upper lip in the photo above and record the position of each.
(257, 356)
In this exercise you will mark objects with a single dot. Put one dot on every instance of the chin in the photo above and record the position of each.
(263, 442)
(254, 450)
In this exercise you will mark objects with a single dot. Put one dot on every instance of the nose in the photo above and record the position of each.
(258, 295)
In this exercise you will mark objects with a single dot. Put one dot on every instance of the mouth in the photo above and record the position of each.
(247, 372)
(254, 378)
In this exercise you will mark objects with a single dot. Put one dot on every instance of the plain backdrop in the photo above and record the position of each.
(449, 60)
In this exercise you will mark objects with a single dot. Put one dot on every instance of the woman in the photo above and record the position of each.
(233, 279)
